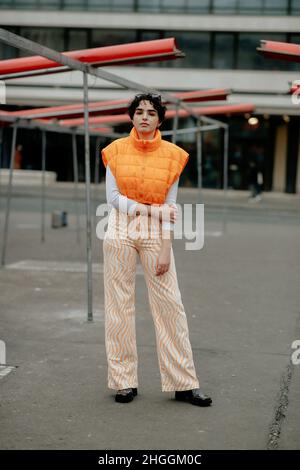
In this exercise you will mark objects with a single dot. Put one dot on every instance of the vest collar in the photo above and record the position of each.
(145, 145)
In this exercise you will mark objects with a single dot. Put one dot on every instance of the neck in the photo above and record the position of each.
(146, 135)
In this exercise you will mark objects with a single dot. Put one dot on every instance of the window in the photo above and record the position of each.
(173, 6)
(276, 7)
(295, 7)
(196, 47)
(224, 6)
(249, 58)
(254, 7)
(109, 37)
(77, 39)
(149, 36)
(74, 4)
(49, 37)
(194, 6)
(110, 5)
(147, 6)
(6, 51)
(223, 51)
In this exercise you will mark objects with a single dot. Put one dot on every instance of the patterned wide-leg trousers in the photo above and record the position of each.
(124, 240)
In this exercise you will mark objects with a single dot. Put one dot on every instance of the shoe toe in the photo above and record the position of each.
(194, 396)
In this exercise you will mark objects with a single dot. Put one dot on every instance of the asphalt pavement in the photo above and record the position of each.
(241, 295)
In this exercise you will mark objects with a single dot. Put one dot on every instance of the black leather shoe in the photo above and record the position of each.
(126, 395)
(195, 397)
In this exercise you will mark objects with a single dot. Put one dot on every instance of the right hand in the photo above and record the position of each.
(168, 213)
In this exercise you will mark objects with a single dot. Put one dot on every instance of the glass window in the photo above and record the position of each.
(77, 39)
(49, 37)
(253, 7)
(48, 5)
(5, 4)
(295, 7)
(249, 58)
(173, 6)
(149, 36)
(224, 6)
(194, 6)
(74, 4)
(196, 47)
(111, 37)
(295, 39)
(110, 5)
(24, 4)
(147, 6)
(6, 51)
(276, 7)
(223, 51)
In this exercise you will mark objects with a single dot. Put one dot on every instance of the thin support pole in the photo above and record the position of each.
(1, 150)
(97, 156)
(7, 211)
(175, 125)
(96, 176)
(43, 186)
(75, 170)
(88, 200)
(225, 178)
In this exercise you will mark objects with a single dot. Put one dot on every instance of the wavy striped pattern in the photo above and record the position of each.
(174, 350)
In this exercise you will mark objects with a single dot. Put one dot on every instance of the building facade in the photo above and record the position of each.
(219, 38)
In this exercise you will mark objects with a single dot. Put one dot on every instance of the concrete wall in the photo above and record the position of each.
(186, 22)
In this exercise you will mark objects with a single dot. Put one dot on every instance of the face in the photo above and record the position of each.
(145, 120)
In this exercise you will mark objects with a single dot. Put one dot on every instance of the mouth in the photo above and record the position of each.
(144, 125)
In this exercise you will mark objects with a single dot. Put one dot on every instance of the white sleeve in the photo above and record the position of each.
(171, 199)
(128, 206)
(115, 198)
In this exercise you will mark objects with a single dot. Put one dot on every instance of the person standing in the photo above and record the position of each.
(142, 176)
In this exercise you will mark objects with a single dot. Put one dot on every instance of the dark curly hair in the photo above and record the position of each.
(155, 100)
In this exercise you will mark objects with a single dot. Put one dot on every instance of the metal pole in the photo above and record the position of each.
(199, 161)
(96, 178)
(1, 150)
(75, 169)
(88, 200)
(225, 178)
(175, 125)
(7, 211)
(43, 185)
(97, 153)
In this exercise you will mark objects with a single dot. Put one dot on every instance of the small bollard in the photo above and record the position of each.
(59, 219)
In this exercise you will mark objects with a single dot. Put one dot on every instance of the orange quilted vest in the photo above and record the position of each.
(144, 169)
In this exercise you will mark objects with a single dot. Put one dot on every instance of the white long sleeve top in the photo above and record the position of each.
(128, 206)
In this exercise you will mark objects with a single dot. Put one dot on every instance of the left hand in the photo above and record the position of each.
(163, 261)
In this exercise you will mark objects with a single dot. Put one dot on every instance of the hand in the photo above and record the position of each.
(168, 213)
(163, 261)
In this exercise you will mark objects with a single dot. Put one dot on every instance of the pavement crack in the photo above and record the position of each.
(280, 409)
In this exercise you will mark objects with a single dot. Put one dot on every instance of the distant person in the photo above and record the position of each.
(255, 175)
(18, 157)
